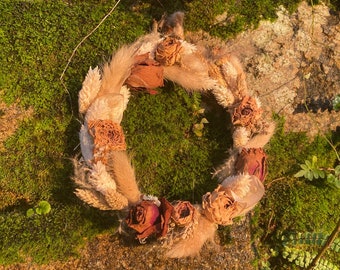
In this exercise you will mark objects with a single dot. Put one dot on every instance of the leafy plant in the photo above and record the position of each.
(310, 170)
(43, 208)
(309, 238)
(198, 127)
(304, 258)
(334, 176)
(336, 103)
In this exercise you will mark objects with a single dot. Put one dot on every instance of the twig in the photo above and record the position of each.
(81, 42)
(325, 247)
(275, 180)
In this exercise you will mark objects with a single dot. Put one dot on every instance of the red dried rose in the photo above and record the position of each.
(166, 210)
(183, 213)
(147, 218)
(144, 218)
(253, 162)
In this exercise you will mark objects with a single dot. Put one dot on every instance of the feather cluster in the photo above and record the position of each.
(104, 175)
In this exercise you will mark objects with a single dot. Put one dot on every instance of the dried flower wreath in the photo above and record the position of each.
(104, 176)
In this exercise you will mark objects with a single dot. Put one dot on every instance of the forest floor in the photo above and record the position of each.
(293, 65)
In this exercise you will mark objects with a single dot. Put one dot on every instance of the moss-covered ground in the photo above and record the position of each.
(38, 37)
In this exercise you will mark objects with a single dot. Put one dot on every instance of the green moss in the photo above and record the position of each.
(54, 236)
(237, 15)
(38, 37)
(295, 204)
(170, 159)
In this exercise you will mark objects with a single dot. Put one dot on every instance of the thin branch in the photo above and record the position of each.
(329, 242)
(82, 41)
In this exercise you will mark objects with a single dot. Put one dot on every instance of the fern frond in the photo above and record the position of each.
(309, 238)
(304, 258)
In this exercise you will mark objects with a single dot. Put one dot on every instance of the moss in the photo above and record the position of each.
(170, 159)
(56, 236)
(295, 204)
(237, 16)
(38, 37)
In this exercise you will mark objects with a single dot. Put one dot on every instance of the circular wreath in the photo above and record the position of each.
(104, 175)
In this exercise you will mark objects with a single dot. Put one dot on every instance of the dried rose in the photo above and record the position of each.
(168, 51)
(166, 209)
(183, 213)
(219, 206)
(253, 162)
(146, 73)
(147, 218)
(144, 218)
(107, 136)
(247, 113)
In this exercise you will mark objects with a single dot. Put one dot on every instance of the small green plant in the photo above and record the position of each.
(309, 238)
(43, 208)
(333, 177)
(198, 127)
(336, 103)
(300, 249)
(304, 258)
(310, 170)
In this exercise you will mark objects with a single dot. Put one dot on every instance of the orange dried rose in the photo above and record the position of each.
(247, 113)
(168, 51)
(107, 136)
(253, 162)
(146, 73)
(183, 213)
(219, 206)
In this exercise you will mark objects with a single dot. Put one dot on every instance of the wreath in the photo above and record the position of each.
(104, 175)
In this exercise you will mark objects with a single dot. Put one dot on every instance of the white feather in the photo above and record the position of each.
(90, 89)
(86, 144)
(247, 189)
(148, 44)
(188, 47)
(241, 137)
(125, 92)
(223, 95)
(107, 107)
(100, 179)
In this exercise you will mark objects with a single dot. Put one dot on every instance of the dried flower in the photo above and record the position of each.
(247, 113)
(246, 189)
(166, 209)
(147, 218)
(168, 51)
(253, 162)
(144, 218)
(220, 206)
(183, 213)
(108, 136)
(146, 73)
